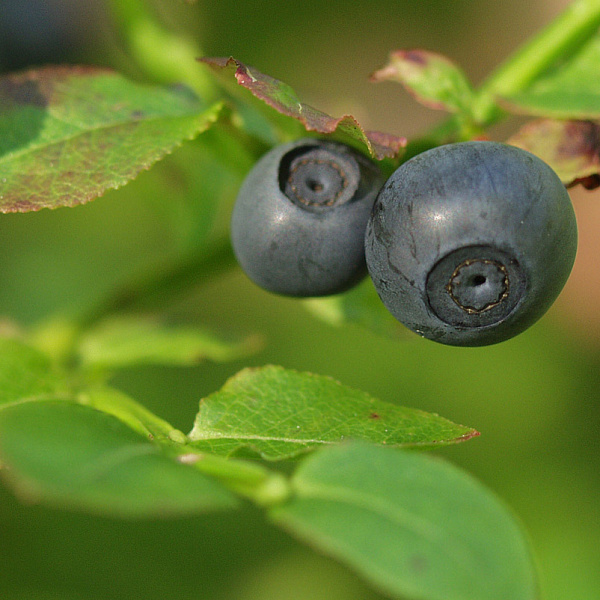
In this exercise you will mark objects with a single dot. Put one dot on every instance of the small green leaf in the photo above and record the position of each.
(361, 306)
(162, 54)
(284, 100)
(411, 524)
(431, 78)
(279, 413)
(75, 456)
(571, 91)
(26, 374)
(133, 414)
(67, 134)
(123, 342)
(571, 148)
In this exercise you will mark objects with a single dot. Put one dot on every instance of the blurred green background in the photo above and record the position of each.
(534, 398)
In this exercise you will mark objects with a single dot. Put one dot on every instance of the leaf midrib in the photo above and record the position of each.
(216, 435)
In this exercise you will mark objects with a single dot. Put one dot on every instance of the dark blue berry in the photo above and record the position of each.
(469, 244)
(299, 220)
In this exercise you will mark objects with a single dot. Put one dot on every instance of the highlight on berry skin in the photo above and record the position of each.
(470, 243)
(299, 220)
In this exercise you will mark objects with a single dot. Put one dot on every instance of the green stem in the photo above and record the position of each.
(251, 480)
(569, 31)
(561, 37)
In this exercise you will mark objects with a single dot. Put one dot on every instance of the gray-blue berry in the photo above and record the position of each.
(469, 244)
(299, 220)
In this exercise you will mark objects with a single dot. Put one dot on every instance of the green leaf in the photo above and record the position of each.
(75, 456)
(279, 413)
(431, 78)
(67, 134)
(284, 100)
(571, 148)
(411, 524)
(164, 55)
(130, 412)
(123, 342)
(571, 91)
(360, 306)
(26, 374)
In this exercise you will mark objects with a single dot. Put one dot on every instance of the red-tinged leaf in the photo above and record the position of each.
(431, 78)
(67, 134)
(284, 100)
(589, 183)
(571, 148)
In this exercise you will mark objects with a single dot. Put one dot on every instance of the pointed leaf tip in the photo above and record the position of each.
(280, 413)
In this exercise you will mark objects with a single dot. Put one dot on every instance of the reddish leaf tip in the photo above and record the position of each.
(281, 97)
(571, 148)
(589, 183)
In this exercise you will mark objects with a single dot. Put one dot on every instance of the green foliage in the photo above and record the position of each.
(26, 374)
(411, 524)
(67, 134)
(114, 402)
(77, 456)
(416, 527)
(128, 341)
(361, 306)
(569, 91)
(279, 414)
(432, 78)
(283, 99)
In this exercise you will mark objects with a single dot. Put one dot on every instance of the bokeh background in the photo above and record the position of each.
(534, 398)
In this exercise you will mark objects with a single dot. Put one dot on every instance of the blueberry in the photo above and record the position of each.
(299, 221)
(469, 244)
